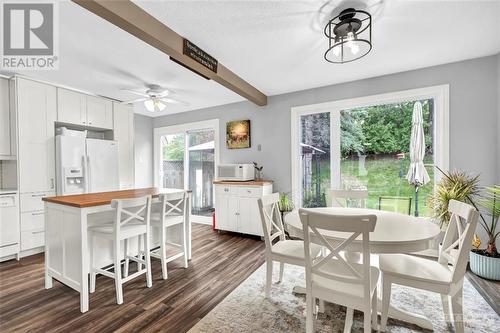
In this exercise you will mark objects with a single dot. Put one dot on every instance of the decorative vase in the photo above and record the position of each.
(485, 267)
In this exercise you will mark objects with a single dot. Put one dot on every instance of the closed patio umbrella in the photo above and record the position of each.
(417, 174)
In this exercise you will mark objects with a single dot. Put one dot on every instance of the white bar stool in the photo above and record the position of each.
(173, 212)
(132, 220)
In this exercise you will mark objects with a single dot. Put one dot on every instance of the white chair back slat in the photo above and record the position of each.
(136, 210)
(357, 225)
(347, 198)
(270, 217)
(458, 237)
(173, 204)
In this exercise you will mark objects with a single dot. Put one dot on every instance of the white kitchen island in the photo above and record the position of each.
(67, 219)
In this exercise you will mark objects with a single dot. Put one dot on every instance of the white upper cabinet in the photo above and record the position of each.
(99, 112)
(37, 113)
(72, 107)
(5, 123)
(80, 109)
(123, 116)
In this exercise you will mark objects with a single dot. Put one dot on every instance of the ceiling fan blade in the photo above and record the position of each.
(135, 100)
(174, 101)
(136, 92)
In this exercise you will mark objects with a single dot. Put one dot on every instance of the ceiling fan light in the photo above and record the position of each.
(160, 106)
(150, 105)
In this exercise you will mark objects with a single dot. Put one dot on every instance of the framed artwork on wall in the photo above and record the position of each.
(238, 134)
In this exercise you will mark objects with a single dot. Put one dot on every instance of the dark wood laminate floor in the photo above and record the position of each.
(490, 290)
(220, 263)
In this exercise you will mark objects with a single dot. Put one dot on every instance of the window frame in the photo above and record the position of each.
(440, 95)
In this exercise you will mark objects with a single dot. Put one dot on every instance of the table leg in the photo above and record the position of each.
(84, 282)
(394, 312)
(406, 316)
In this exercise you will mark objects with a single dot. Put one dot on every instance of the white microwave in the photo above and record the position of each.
(236, 172)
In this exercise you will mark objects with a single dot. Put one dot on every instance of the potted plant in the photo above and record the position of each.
(486, 262)
(258, 171)
(285, 205)
(454, 185)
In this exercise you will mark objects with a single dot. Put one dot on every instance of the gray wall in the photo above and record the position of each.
(143, 145)
(473, 117)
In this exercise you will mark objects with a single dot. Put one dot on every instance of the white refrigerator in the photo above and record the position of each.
(85, 165)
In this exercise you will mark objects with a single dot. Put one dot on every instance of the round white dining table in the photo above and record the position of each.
(394, 233)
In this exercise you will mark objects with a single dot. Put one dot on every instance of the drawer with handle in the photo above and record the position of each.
(33, 221)
(32, 239)
(225, 189)
(252, 192)
(33, 201)
(7, 201)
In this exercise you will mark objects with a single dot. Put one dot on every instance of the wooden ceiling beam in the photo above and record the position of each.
(128, 16)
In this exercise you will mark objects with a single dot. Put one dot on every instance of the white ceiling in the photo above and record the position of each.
(277, 46)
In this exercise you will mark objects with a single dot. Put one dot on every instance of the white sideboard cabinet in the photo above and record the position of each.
(236, 206)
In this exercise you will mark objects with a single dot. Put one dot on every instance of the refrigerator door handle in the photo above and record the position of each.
(84, 173)
(89, 176)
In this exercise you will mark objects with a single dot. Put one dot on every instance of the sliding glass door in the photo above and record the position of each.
(172, 163)
(185, 158)
(364, 144)
(201, 167)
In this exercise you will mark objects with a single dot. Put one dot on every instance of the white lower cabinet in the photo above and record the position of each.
(236, 207)
(32, 220)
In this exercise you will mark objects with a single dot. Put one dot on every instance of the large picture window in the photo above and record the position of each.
(363, 144)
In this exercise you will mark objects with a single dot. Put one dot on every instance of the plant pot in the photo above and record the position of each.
(485, 267)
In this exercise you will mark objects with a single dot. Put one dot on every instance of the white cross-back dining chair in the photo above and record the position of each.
(445, 276)
(278, 248)
(347, 198)
(132, 220)
(333, 279)
(172, 213)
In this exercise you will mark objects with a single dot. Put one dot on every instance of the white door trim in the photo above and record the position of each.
(440, 94)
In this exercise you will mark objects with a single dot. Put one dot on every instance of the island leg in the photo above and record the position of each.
(48, 278)
(84, 283)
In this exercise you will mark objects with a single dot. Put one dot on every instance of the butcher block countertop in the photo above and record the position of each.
(104, 198)
(243, 183)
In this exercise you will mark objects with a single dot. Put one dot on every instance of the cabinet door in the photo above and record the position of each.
(71, 107)
(4, 118)
(226, 212)
(233, 213)
(99, 112)
(37, 114)
(221, 202)
(123, 129)
(249, 218)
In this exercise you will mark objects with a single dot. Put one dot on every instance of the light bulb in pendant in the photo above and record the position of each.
(354, 48)
(336, 51)
(350, 36)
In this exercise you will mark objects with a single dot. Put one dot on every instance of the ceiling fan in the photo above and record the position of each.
(155, 98)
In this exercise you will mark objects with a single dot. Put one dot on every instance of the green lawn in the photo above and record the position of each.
(381, 179)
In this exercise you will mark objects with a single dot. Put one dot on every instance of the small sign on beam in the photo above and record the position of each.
(200, 56)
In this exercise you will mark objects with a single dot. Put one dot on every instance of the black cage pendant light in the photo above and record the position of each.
(349, 36)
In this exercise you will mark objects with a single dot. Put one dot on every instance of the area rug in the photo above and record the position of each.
(247, 310)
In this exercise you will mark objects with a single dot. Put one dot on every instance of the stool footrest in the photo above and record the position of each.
(132, 276)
